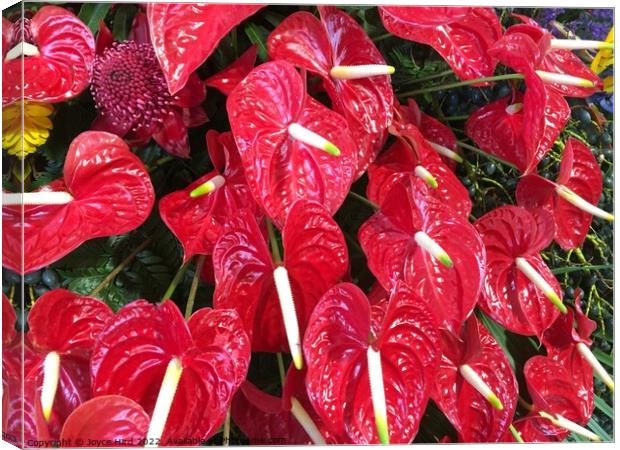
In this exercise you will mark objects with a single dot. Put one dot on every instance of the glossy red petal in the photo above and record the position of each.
(517, 50)
(8, 321)
(139, 31)
(509, 297)
(62, 69)
(280, 169)
(104, 38)
(192, 94)
(172, 135)
(185, 35)
(106, 421)
(388, 242)
(198, 222)
(226, 80)
(63, 321)
(112, 195)
(462, 36)
(474, 418)
(335, 347)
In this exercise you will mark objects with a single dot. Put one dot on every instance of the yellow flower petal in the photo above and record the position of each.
(608, 84)
(36, 131)
(604, 57)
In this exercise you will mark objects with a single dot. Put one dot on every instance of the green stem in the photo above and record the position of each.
(281, 368)
(275, 249)
(515, 434)
(364, 200)
(510, 76)
(454, 118)
(160, 162)
(118, 269)
(433, 76)
(562, 270)
(176, 280)
(485, 154)
(382, 37)
(194, 288)
(226, 431)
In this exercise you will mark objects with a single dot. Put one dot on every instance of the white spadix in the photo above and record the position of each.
(289, 315)
(514, 108)
(208, 186)
(312, 139)
(427, 244)
(445, 151)
(478, 384)
(562, 78)
(426, 176)
(526, 268)
(580, 44)
(599, 370)
(51, 377)
(306, 422)
(563, 422)
(377, 393)
(581, 203)
(164, 402)
(36, 198)
(23, 48)
(361, 71)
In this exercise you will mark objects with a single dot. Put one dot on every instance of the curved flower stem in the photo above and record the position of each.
(281, 368)
(275, 249)
(175, 281)
(118, 269)
(226, 431)
(194, 287)
(515, 433)
(485, 154)
(562, 270)
(364, 200)
(509, 76)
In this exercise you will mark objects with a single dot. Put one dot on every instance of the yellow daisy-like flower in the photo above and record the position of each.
(37, 126)
(605, 56)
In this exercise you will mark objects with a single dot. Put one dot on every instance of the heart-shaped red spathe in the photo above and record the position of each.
(388, 240)
(106, 421)
(509, 297)
(132, 354)
(280, 169)
(267, 420)
(338, 40)
(185, 35)
(335, 346)
(522, 137)
(198, 222)
(8, 321)
(61, 70)
(226, 80)
(432, 129)
(112, 194)
(560, 386)
(400, 160)
(562, 334)
(474, 418)
(556, 60)
(579, 172)
(315, 257)
(462, 36)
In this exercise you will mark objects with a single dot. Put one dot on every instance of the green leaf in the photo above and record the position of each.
(604, 407)
(92, 13)
(121, 23)
(258, 35)
(603, 357)
(594, 426)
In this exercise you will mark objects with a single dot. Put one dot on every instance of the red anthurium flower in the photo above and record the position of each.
(269, 420)
(58, 51)
(353, 71)
(370, 369)
(520, 292)
(197, 214)
(226, 80)
(132, 97)
(183, 374)
(520, 129)
(291, 146)
(185, 35)
(474, 385)
(462, 36)
(8, 321)
(411, 154)
(105, 191)
(63, 327)
(438, 135)
(553, 59)
(571, 198)
(315, 258)
(417, 238)
(106, 421)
